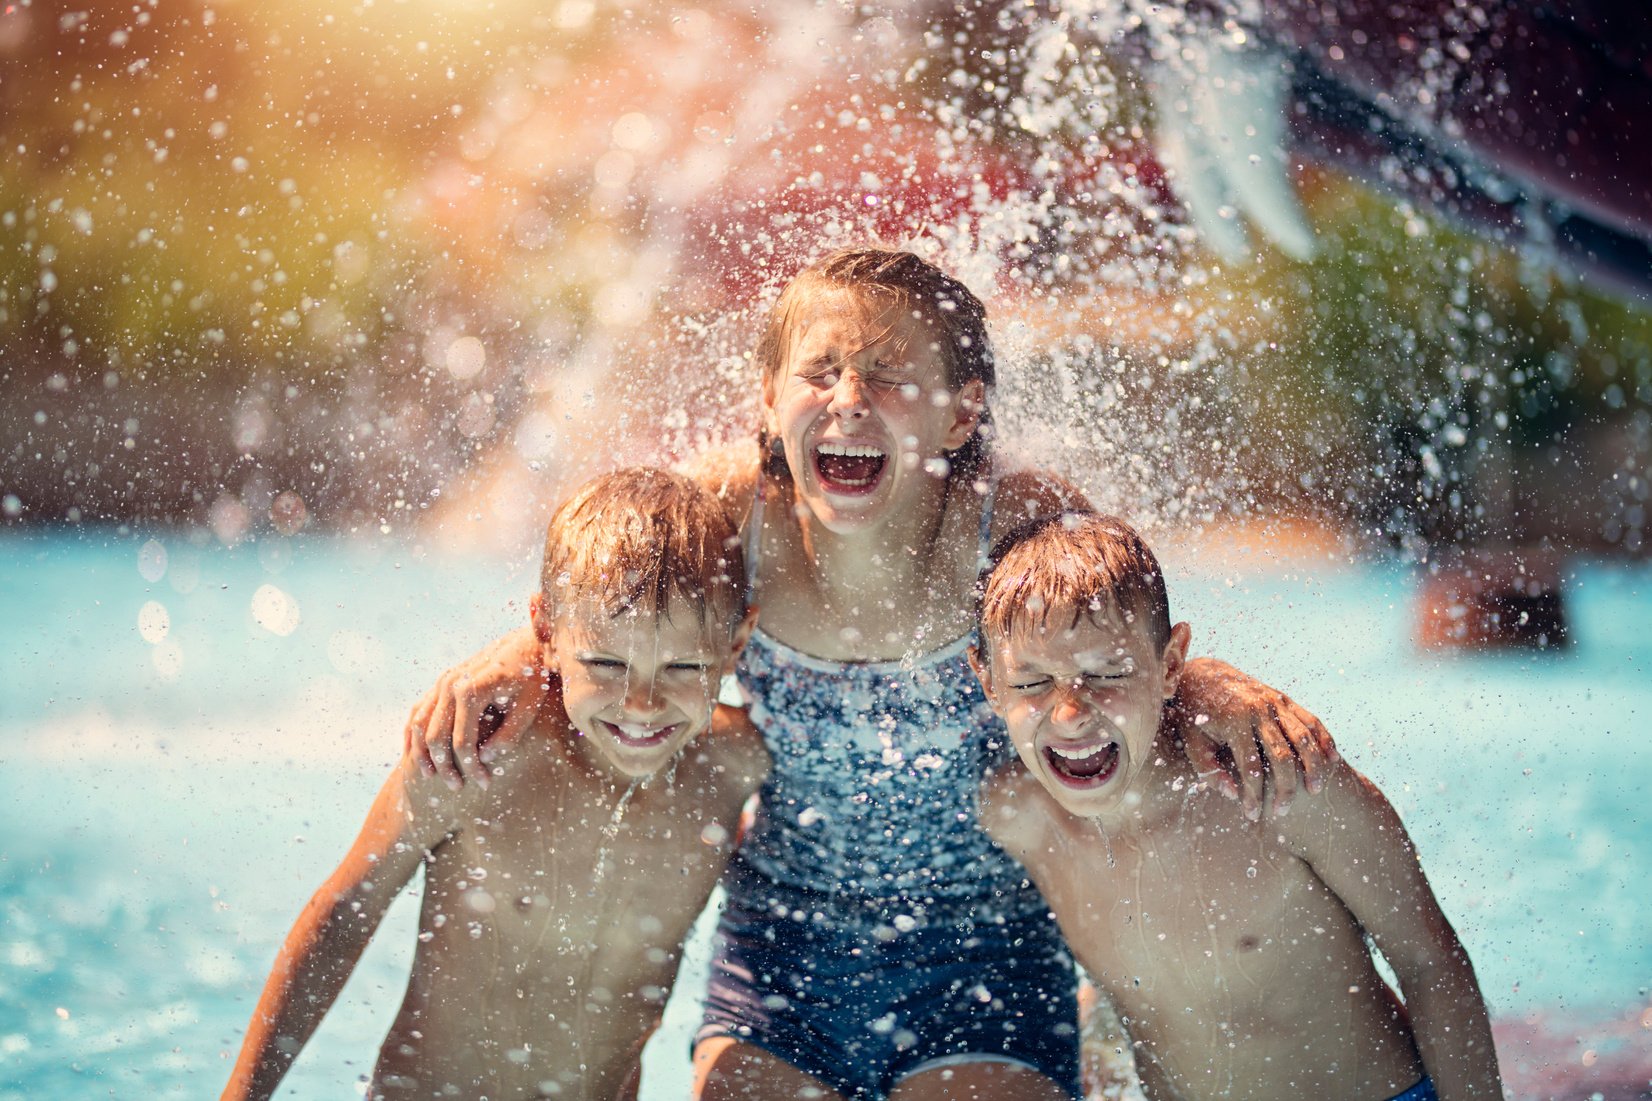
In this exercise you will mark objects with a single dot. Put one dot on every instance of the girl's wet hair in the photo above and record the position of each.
(1077, 562)
(908, 282)
(637, 538)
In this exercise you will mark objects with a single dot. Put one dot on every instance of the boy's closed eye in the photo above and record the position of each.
(689, 668)
(1089, 680)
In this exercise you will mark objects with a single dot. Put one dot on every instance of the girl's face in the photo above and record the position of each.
(863, 410)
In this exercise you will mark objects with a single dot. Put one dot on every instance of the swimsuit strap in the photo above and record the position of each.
(754, 538)
(983, 538)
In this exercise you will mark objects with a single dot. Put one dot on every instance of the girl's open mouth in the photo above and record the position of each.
(1083, 766)
(849, 468)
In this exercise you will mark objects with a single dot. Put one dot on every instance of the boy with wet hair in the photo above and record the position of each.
(1235, 952)
(557, 899)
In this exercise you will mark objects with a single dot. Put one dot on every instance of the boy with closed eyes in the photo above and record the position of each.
(557, 898)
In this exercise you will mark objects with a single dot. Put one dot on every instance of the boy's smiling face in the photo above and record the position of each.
(637, 685)
(1082, 693)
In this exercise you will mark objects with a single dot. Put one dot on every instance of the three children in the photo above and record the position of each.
(555, 900)
(866, 909)
(1234, 952)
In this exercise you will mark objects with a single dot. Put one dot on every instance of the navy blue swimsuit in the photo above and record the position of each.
(872, 928)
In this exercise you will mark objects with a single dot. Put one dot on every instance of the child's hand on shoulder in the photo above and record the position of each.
(477, 710)
(1274, 745)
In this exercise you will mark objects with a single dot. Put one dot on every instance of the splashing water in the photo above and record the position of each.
(572, 233)
(611, 831)
(1107, 843)
(582, 220)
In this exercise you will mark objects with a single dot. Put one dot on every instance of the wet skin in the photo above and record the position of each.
(861, 409)
(1083, 696)
(637, 686)
(1233, 950)
(556, 900)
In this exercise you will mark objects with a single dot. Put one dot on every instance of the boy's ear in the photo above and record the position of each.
(983, 673)
(1174, 658)
(967, 408)
(541, 617)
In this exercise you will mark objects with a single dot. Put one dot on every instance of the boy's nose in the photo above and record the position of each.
(641, 699)
(1073, 708)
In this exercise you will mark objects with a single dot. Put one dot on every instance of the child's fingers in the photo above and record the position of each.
(1248, 759)
(438, 738)
(466, 715)
(1202, 754)
(507, 726)
(1309, 752)
(1281, 763)
(1322, 738)
(512, 717)
(413, 735)
(422, 714)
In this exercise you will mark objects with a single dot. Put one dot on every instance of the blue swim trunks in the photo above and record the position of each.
(1422, 1091)
(863, 1001)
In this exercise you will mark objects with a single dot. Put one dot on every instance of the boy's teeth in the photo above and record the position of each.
(1091, 763)
(1078, 754)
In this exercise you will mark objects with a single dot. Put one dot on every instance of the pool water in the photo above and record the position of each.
(190, 735)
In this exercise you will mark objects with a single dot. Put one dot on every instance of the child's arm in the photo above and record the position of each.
(1355, 843)
(325, 942)
(478, 709)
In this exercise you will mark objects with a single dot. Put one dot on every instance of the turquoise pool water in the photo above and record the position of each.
(189, 736)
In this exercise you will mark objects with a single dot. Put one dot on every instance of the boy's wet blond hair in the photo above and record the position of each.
(636, 538)
(909, 282)
(1078, 562)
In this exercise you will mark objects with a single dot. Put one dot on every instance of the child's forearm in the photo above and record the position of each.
(1453, 1033)
(314, 962)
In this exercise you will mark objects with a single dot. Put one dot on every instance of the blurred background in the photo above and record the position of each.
(271, 264)
(310, 311)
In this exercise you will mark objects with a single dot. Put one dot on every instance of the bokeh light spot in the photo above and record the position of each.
(154, 622)
(275, 610)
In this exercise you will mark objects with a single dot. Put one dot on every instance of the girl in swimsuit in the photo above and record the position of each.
(875, 943)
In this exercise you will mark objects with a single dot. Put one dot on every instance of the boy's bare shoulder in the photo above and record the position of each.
(1023, 494)
(1013, 809)
(730, 472)
(1343, 814)
(730, 755)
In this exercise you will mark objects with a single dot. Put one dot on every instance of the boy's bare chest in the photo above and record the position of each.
(580, 878)
(1182, 920)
